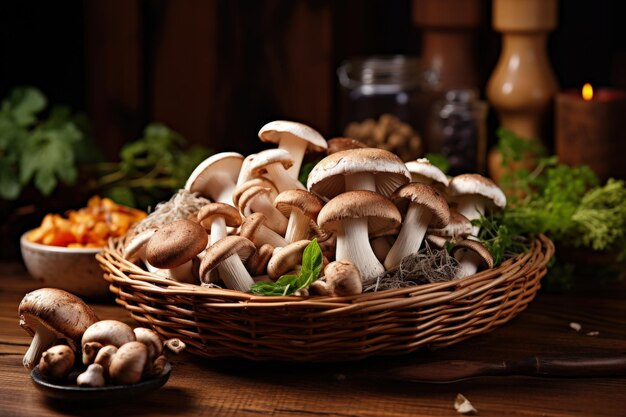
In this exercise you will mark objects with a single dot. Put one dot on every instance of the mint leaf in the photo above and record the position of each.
(312, 262)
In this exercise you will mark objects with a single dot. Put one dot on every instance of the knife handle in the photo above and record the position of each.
(571, 366)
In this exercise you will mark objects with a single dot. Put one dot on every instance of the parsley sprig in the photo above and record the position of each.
(290, 284)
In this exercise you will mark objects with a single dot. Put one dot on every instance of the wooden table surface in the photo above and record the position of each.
(213, 388)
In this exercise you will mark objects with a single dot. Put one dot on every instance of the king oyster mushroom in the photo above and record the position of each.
(49, 314)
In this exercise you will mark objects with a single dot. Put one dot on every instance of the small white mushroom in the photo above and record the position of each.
(343, 279)
(92, 377)
(104, 357)
(102, 333)
(151, 339)
(472, 257)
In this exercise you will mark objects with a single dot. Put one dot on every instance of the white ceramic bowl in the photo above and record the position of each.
(71, 269)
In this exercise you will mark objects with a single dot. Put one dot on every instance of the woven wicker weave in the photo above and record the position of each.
(220, 323)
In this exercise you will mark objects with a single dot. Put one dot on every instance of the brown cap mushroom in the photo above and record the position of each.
(302, 208)
(474, 194)
(49, 314)
(295, 138)
(472, 257)
(343, 278)
(257, 263)
(151, 339)
(458, 226)
(352, 215)
(257, 200)
(286, 259)
(273, 163)
(216, 177)
(228, 256)
(128, 364)
(426, 206)
(215, 217)
(102, 333)
(174, 246)
(260, 182)
(367, 169)
(104, 357)
(254, 229)
(57, 362)
(343, 144)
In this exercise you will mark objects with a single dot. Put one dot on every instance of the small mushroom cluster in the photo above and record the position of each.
(365, 206)
(111, 350)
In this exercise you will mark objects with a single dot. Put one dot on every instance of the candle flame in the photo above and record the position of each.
(587, 92)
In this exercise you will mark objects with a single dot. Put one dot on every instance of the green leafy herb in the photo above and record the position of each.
(150, 168)
(289, 284)
(43, 152)
(438, 160)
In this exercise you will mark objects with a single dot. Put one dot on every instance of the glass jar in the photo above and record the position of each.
(382, 103)
(457, 130)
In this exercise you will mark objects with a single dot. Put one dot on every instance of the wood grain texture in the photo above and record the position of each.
(202, 387)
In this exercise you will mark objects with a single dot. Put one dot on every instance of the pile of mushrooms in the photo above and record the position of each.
(365, 206)
(112, 352)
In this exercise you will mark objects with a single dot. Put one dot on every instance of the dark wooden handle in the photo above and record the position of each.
(569, 366)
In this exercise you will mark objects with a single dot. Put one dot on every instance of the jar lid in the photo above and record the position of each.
(397, 70)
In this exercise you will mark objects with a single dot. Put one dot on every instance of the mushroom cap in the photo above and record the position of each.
(477, 184)
(327, 177)
(343, 144)
(307, 203)
(224, 249)
(210, 211)
(285, 259)
(381, 213)
(57, 361)
(259, 181)
(476, 247)
(251, 224)
(257, 263)
(128, 363)
(151, 339)
(212, 169)
(267, 157)
(176, 243)
(59, 311)
(459, 225)
(274, 131)
(425, 196)
(343, 278)
(423, 168)
(132, 250)
(250, 195)
(108, 332)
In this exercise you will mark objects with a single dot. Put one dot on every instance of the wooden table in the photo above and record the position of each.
(203, 387)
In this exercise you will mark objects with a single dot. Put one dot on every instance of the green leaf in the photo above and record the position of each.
(10, 187)
(312, 262)
(23, 104)
(438, 160)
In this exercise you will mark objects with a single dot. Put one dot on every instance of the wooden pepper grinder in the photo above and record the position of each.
(523, 84)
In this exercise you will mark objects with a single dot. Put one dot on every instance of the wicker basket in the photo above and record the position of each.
(223, 323)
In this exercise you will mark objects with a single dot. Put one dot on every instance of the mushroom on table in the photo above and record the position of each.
(49, 314)
(103, 333)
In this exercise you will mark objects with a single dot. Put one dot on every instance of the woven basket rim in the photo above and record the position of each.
(541, 248)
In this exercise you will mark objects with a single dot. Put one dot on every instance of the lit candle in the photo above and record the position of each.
(591, 129)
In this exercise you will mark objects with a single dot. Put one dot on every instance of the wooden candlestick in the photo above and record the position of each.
(523, 84)
(591, 132)
(448, 40)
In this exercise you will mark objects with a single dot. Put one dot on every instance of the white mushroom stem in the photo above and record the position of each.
(298, 226)
(274, 219)
(267, 235)
(41, 342)
(281, 178)
(218, 229)
(183, 273)
(296, 148)
(234, 274)
(472, 207)
(411, 235)
(353, 245)
(360, 181)
(468, 262)
(244, 172)
(224, 194)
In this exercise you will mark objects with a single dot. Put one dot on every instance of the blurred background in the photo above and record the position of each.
(410, 76)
